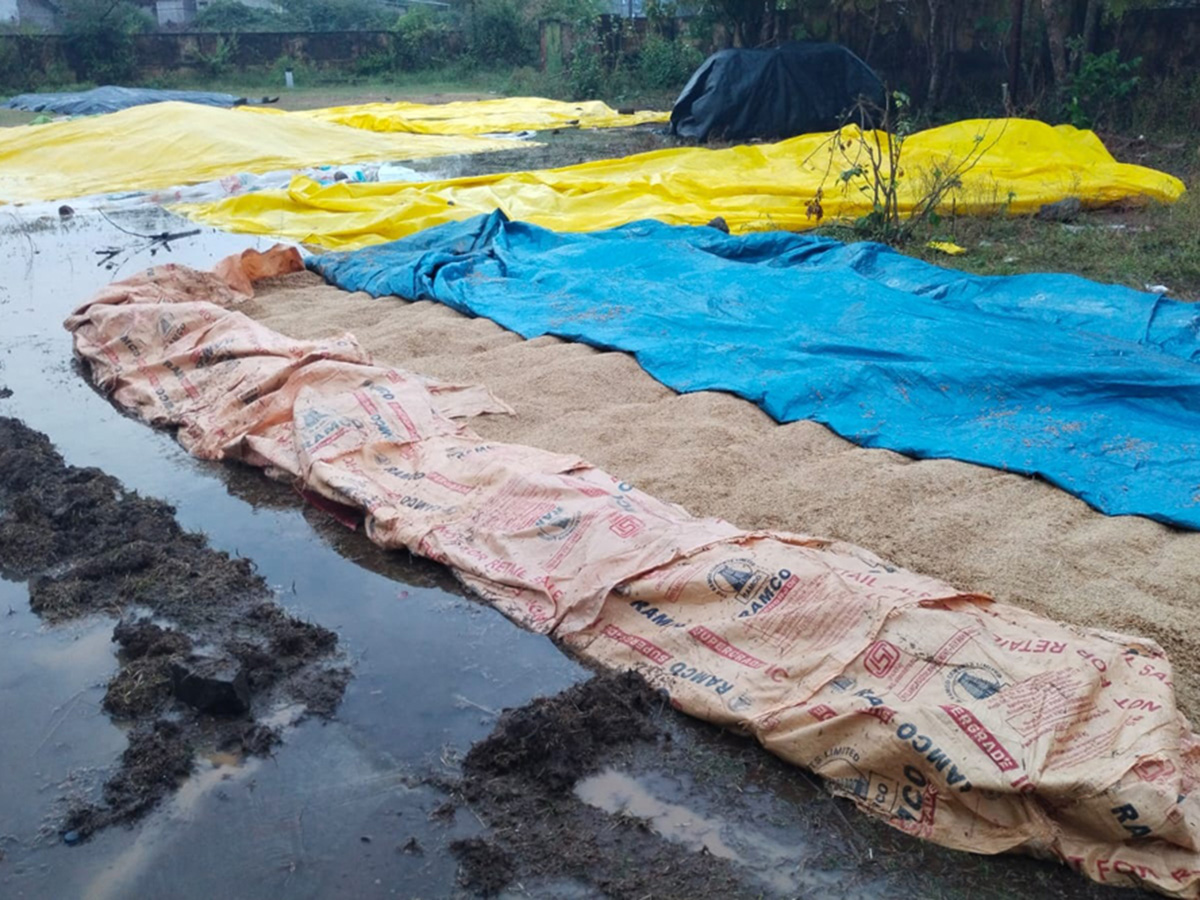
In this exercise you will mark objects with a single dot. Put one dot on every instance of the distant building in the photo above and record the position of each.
(180, 12)
(404, 6)
(636, 9)
(626, 9)
(44, 15)
(173, 12)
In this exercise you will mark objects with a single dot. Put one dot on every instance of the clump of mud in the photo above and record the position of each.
(204, 650)
(519, 781)
(557, 740)
(484, 867)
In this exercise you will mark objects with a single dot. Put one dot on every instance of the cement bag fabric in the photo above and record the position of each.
(800, 87)
(964, 721)
(168, 144)
(1095, 388)
(1022, 164)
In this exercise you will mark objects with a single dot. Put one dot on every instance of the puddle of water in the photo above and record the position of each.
(778, 866)
(622, 795)
(427, 661)
(223, 759)
(51, 685)
(553, 889)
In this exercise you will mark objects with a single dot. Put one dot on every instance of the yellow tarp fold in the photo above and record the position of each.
(166, 144)
(497, 116)
(1020, 165)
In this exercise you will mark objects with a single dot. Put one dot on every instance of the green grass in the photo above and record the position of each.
(10, 117)
(1137, 246)
(1151, 246)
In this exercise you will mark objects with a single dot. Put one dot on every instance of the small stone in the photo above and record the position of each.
(214, 686)
(1066, 210)
(71, 838)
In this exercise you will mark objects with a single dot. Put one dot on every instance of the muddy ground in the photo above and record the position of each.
(205, 652)
(553, 149)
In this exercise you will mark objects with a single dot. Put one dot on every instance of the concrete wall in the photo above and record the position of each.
(1168, 40)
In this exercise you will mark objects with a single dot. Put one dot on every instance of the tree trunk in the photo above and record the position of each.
(1014, 49)
(940, 36)
(874, 32)
(1056, 34)
(1091, 22)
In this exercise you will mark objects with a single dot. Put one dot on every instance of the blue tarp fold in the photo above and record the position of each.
(111, 98)
(1093, 387)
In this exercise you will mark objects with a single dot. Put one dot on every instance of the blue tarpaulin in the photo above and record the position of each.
(111, 98)
(1093, 387)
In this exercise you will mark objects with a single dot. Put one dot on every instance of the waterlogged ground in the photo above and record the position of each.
(601, 791)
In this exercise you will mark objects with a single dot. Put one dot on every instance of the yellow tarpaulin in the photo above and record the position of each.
(165, 144)
(502, 115)
(1020, 165)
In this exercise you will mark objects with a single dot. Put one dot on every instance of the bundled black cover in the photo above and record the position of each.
(797, 88)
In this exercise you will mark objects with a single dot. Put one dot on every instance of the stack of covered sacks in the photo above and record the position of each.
(1004, 165)
(968, 722)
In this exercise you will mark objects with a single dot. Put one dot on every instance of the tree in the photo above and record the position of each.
(337, 15)
(1072, 38)
(100, 38)
(1057, 18)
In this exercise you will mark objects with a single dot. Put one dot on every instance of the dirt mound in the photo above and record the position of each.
(157, 759)
(555, 741)
(519, 781)
(485, 868)
(88, 546)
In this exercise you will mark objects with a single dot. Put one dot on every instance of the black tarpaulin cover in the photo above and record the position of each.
(798, 88)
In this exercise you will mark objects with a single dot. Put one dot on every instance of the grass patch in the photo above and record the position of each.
(1133, 245)
(9, 117)
(1151, 246)
(457, 81)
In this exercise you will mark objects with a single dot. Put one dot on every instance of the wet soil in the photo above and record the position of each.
(205, 652)
(520, 781)
(553, 149)
(604, 790)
